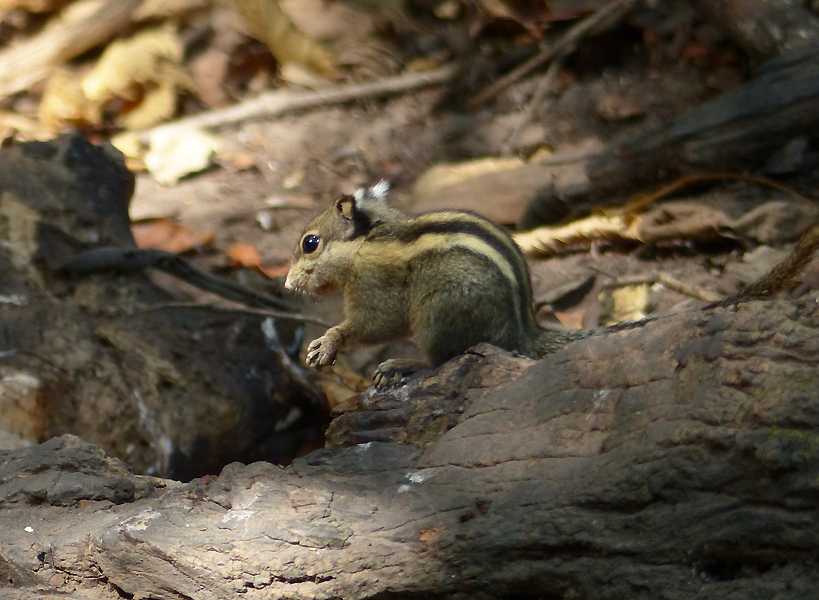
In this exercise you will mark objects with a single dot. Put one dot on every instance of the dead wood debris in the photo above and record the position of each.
(603, 18)
(664, 279)
(239, 310)
(276, 103)
(638, 222)
(109, 259)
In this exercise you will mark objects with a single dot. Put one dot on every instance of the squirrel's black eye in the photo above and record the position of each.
(310, 243)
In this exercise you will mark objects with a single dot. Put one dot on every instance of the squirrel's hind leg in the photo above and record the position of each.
(394, 371)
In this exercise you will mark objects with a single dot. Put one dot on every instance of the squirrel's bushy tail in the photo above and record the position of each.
(783, 277)
(548, 341)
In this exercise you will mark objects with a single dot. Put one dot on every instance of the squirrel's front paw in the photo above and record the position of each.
(322, 351)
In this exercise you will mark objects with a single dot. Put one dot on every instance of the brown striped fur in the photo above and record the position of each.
(451, 279)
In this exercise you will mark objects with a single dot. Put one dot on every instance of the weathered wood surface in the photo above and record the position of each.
(675, 461)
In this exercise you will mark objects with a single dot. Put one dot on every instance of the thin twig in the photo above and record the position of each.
(668, 281)
(276, 103)
(123, 260)
(675, 284)
(642, 203)
(39, 357)
(603, 18)
(543, 87)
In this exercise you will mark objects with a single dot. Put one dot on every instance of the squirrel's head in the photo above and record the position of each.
(322, 261)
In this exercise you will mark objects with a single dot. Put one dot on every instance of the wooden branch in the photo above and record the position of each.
(676, 460)
(276, 103)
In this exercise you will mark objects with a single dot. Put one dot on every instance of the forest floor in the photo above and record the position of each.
(618, 83)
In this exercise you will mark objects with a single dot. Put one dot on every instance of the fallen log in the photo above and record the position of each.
(679, 460)
(764, 125)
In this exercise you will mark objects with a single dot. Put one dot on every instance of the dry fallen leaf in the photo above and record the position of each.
(771, 222)
(349, 30)
(335, 21)
(32, 6)
(495, 187)
(438, 177)
(243, 161)
(131, 145)
(497, 8)
(162, 9)
(176, 153)
(164, 234)
(127, 64)
(268, 23)
(519, 20)
(64, 103)
(244, 255)
(158, 104)
(546, 241)
(448, 10)
(340, 384)
(576, 304)
(572, 318)
(13, 124)
(630, 303)
(144, 70)
(273, 272)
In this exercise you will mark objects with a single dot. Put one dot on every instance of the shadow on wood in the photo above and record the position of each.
(679, 460)
(179, 391)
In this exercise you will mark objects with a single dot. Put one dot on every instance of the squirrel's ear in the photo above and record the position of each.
(358, 221)
(346, 207)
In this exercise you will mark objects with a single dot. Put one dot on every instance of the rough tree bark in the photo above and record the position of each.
(675, 461)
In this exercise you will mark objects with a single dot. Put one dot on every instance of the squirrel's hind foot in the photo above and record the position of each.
(396, 370)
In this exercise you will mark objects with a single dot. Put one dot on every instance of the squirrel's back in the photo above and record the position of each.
(451, 278)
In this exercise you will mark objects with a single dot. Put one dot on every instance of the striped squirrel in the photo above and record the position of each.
(451, 278)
